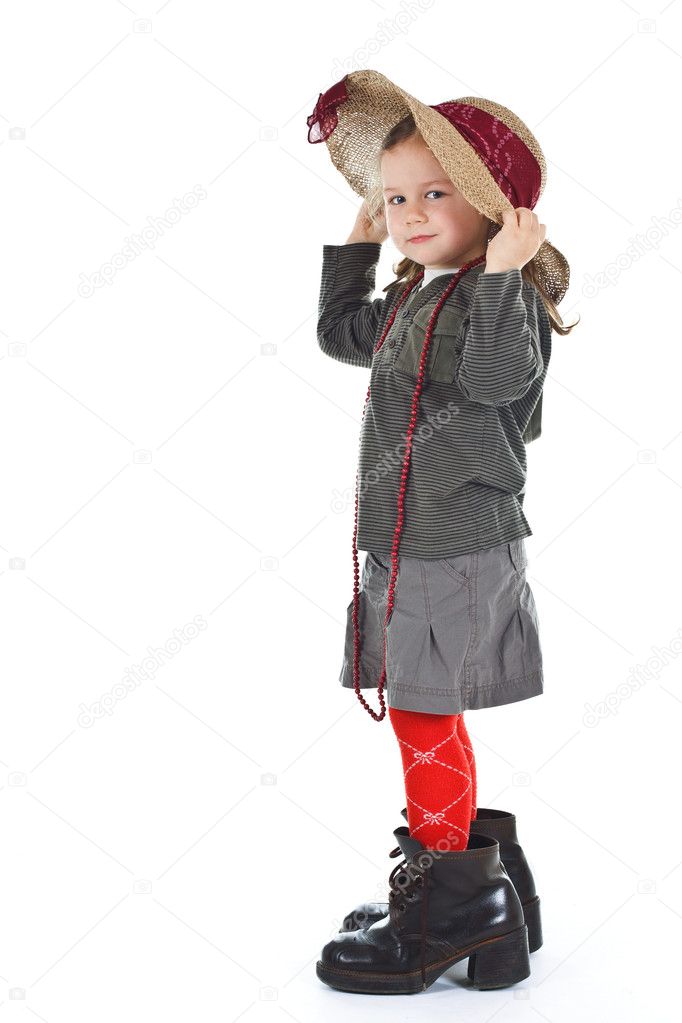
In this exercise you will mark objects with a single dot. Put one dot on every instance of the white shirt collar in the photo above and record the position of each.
(431, 272)
(429, 275)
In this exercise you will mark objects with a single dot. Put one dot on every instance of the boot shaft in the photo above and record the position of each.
(469, 892)
(501, 824)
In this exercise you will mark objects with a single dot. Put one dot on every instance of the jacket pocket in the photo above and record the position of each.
(447, 341)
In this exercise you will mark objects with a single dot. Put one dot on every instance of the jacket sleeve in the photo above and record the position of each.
(348, 316)
(501, 356)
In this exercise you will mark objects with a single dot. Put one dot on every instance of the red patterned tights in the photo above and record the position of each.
(440, 777)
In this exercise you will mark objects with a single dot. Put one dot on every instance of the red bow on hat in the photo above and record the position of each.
(323, 119)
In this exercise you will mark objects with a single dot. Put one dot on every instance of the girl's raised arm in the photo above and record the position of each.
(502, 354)
(348, 316)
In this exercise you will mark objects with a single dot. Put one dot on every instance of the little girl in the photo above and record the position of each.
(443, 616)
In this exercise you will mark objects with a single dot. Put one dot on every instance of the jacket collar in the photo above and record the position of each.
(437, 285)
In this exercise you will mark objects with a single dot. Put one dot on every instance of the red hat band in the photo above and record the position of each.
(508, 159)
(506, 156)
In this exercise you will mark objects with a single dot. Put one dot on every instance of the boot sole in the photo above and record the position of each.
(493, 963)
(531, 915)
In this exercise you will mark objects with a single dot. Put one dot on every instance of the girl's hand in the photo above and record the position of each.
(365, 229)
(517, 241)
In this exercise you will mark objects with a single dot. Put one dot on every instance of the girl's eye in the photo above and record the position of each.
(431, 192)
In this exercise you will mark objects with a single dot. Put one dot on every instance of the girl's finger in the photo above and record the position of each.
(525, 217)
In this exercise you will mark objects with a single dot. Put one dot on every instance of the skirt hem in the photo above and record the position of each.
(405, 696)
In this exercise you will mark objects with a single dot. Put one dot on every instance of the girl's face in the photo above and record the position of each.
(419, 199)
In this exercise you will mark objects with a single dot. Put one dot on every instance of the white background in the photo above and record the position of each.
(177, 469)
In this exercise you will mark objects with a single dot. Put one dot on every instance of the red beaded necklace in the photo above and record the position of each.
(403, 486)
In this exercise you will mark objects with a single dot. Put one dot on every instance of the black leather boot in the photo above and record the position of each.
(443, 907)
(499, 824)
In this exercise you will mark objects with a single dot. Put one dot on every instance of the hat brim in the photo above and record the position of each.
(375, 105)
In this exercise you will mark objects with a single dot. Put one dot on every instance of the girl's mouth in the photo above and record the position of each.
(420, 238)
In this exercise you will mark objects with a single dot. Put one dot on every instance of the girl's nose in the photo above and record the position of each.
(414, 213)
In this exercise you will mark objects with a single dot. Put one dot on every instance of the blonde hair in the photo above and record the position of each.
(407, 269)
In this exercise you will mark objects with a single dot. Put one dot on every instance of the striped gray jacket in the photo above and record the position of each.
(480, 402)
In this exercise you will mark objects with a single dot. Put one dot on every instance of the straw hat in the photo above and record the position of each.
(488, 152)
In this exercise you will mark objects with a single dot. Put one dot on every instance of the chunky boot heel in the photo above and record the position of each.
(531, 912)
(501, 961)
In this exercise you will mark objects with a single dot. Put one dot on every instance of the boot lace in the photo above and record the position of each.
(408, 882)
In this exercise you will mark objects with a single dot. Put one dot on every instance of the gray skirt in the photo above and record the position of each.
(463, 635)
